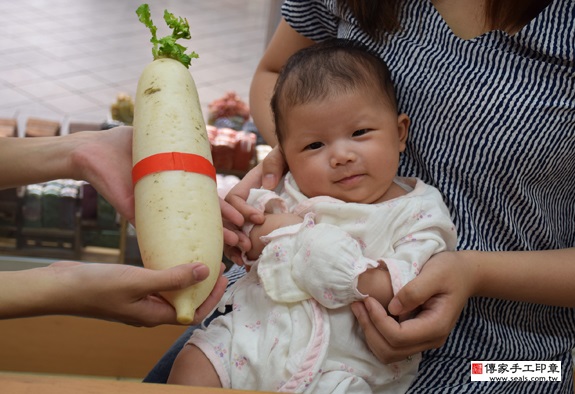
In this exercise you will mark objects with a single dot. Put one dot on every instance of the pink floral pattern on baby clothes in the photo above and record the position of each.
(297, 294)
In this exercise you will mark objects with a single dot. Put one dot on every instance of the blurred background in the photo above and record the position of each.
(63, 65)
(67, 65)
(67, 60)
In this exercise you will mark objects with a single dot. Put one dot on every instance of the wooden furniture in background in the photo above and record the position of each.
(36, 127)
(8, 127)
(31, 384)
(80, 346)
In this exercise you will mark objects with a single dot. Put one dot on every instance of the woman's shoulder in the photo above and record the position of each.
(550, 33)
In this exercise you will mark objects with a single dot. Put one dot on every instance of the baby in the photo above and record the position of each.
(340, 226)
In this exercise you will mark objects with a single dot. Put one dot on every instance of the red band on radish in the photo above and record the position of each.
(172, 161)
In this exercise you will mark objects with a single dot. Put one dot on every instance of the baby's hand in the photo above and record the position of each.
(272, 221)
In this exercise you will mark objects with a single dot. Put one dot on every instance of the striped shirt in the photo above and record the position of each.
(493, 128)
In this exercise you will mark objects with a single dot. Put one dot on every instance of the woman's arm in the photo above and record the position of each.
(103, 158)
(115, 292)
(284, 43)
(444, 286)
(541, 277)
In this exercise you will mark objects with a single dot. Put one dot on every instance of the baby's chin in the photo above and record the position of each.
(362, 198)
(359, 199)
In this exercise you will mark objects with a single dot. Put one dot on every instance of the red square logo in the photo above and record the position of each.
(476, 368)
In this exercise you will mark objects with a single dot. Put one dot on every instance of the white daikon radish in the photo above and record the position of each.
(178, 217)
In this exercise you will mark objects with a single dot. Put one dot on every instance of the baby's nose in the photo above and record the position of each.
(341, 156)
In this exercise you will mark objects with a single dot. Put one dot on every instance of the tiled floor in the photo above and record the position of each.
(66, 60)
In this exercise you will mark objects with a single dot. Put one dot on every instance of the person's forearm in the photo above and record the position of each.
(102, 158)
(261, 91)
(285, 42)
(543, 277)
(27, 293)
(33, 160)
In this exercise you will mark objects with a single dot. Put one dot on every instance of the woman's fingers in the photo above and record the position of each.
(392, 341)
(212, 301)
(273, 167)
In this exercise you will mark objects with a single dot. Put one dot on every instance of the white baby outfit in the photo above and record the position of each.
(291, 328)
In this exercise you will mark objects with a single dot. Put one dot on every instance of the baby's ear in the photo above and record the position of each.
(402, 130)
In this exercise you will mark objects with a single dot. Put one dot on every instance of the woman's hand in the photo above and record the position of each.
(104, 159)
(266, 174)
(232, 220)
(273, 168)
(124, 293)
(236, 199)
(437, 296)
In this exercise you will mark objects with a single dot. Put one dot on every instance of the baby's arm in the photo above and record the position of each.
(376, 283)
(326, 264)
(272, 221)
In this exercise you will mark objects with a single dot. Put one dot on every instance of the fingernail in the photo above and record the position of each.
(355, 309)
(269, 181)
(367, 304)
(395, 307)
(237, 260)
(257, 218)
(201, 272)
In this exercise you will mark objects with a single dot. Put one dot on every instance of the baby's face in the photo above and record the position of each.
(346, 147)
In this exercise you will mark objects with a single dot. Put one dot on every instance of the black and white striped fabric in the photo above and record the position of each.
(234, 273)
(493, 127)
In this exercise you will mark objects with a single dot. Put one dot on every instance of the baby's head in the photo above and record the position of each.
(337, 123)
(324, 70)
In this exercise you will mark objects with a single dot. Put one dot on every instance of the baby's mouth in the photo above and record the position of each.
(352, 179)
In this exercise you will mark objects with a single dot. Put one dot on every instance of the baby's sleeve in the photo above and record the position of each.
(430, 231)
(323, 262)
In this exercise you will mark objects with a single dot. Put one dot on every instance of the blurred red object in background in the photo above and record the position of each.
(232, 150)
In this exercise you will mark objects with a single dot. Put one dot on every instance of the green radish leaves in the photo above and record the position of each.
(167, 46)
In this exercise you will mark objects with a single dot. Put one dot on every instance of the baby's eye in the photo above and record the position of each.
(313, 146)
(359, 133)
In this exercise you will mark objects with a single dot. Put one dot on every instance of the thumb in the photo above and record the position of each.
(273, 168)
(411, 296)
(179, 277)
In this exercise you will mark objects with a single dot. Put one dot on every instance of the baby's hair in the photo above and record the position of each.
(327, 68)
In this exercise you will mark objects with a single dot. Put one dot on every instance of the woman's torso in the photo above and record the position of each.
(493, 128)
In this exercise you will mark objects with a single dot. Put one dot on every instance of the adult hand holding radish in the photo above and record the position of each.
(115, 292)
(178, 217)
